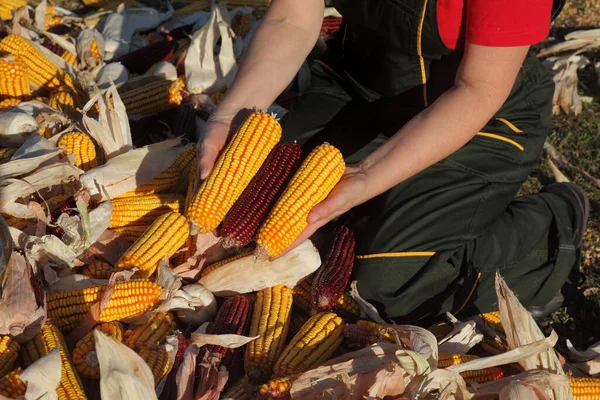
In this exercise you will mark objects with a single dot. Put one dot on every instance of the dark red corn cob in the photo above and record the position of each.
(232, 318)
(332, 277)
(185, 122)
(68, 207)
(251, 209)
(170, 389)
(60, 29)
(53, 47)
(330, 25)
(140, 60)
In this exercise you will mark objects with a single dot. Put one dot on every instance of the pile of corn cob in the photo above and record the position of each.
(255, 202)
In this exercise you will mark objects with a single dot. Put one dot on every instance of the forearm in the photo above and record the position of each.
(432, 135)
(280, 45)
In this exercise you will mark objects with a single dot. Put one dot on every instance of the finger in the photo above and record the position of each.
(328, 209)
(208, 156)
(306, 233)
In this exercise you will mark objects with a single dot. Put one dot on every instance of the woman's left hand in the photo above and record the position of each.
(349, 192)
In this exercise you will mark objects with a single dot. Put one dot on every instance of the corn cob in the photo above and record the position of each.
(156, 97)
(40, 70)
(303, 297)
(332, 277)
(98, 270)
(16, 222)
(139, 61)
(170, 388)
(143, 210)
(153, 332)
(14, 83)
(270, 322)
(71, 58)
(318, 338)
(52, 18)
(232, 318)
(11, 385)
(485, 375)
(278, 388)
(95, 51)
(185, 122)
(68, 308)
(131, 233)
(250, 210)
(69, 207)
(585, 388)
(8, 103)
(184, 255)
(192, 177)
(169, 178)
(318, 174)
(53, 47)
(63, 101)
(82, 146)
(493, 319)
(165, 236)
(237, 391)
(240, 24)
(157, 359)
(365, 333)
(84, 354)
(49, 337)
(234, 170)
(207, 270)
(9, 349)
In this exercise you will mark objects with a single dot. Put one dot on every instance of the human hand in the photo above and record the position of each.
(350, 191)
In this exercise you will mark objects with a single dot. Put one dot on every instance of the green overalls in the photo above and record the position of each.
(434, 242)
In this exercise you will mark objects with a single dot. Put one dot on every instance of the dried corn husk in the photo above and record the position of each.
(440, 383)
(164, 69)
(547, 385)
(519, 391)
(461, 339)
(112, 73)
(42, 377)
(123, 373)
(565, 78)
(30, 156)
(288, 270)
(15, 127)
(201, 338)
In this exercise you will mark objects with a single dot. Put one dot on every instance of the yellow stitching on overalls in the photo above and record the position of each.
(403, 254)
(420, 54)
(510, 125)
(504, 139)
(470, 294)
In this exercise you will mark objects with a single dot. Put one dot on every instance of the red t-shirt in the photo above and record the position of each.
(493, 22)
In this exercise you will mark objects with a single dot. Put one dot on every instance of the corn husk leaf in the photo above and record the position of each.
(40, 15)
(461, 339)
(186, 373)
(205, 72)
(16, 127)
(212, 379)
(117, 33)
(35, 152)
(194, 304)
(123, 373)
(288, 270)
(163, 69)
(22, 313)
(111, 73)
(367, 310)
(127, 171)
(521, 329)
(553, 386)
(201, 338)
(110, 246)
(440, 383)
(42, 377)
(58, 61)
(171, 345)
(519, 391)
(588, 34)
(74, 281)
(376, 371)
(7, 241)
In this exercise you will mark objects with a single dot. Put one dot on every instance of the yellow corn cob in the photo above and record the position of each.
(8, 103)
(154, 98)
(143, 210)
(168, 179)
(68, 308)
(14, 83)
(270, 322)
(84, 354)
(40, 70)
(52, 18)
(585, 388)
(318, 174)
(50, 337)
(237, 391)
(95, 51)
(153, 332)
(98, 270)
(157, 359)
(192, 176)
(70, 58)
(131, 233)
(9, 349)
(63, 101)
(277, 388)
(11, 385)
(82, 146)
(316, 341)
(493, 319)
(165, 236)
(485, 375)
(207, 270)
(234, 170)
(365, 333)
(303, 294)
(15, 222)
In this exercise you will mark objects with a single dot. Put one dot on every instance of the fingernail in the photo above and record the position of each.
(313, 219)
(203, 173)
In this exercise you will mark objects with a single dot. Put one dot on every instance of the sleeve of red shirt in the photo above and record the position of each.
(507, 22)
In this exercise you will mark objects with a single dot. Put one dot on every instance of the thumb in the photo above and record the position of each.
(327, 209)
